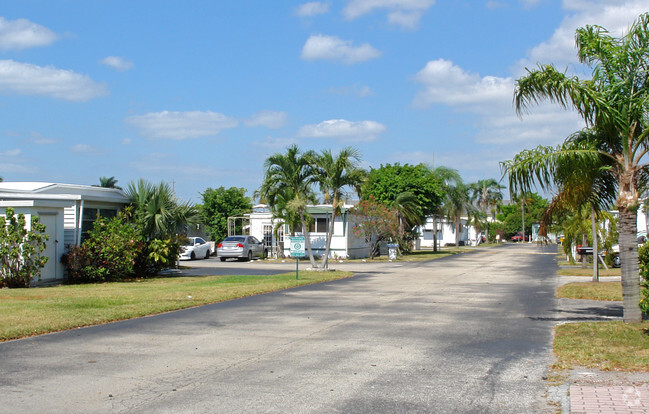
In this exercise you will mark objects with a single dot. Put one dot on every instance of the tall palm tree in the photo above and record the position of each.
(335, 173)
(487, 195)
(108, 182)
(288, 179)
(613, 103)
(458, 204)
(449, 177)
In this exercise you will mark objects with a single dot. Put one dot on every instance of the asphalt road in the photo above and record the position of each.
(470, 333)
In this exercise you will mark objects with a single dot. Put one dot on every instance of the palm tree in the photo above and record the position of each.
(334, 173)
(108, 182)
(457, 204)
(613, 103)
(157, 211)
(449, 177)
(487, 194)
(408, 211)
(287, 189)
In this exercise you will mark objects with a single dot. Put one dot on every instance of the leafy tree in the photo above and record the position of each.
(287, 189)
(614, 105)
(487, 195)
(375, 222)
(511, 215)
(157, 212)
(389, 181)
(334, 174)
(20, 249)
(221, 203)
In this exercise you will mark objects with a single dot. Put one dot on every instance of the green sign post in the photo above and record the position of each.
(297, 251)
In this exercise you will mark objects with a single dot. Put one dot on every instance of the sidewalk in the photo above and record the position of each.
(616, 399)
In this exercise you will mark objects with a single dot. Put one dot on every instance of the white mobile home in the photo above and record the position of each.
(68, 212)
(344, 244)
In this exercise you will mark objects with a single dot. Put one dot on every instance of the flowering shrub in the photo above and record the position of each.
(375, 222)
(20, 249)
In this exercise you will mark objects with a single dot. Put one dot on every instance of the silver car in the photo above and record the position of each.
(241, 247)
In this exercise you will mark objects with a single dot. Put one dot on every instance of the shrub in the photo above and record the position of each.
(643, 256)
(110, 253)
(20, 249)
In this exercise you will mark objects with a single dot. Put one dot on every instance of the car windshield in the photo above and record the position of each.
(235, 239)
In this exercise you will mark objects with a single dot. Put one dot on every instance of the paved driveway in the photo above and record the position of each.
(470, 333)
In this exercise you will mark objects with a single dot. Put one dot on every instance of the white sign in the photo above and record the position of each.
(297, 246)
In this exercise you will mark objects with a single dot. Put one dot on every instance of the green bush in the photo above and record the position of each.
(643, 256)
(20, 249)
(111, 252)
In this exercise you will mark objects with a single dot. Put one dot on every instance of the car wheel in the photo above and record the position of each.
(249, 255)
(207, 254)
(616, 261)
(222, 259)
(192, 256)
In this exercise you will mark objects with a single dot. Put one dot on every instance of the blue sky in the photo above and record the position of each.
(200, 93)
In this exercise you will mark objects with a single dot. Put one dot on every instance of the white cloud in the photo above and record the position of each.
(361, 131)
(359, 91)
(615, 16)
(117, 63)
(490, 98)
(449, 84)
(23, 34)
(181, 125)
(84, 149)
(404, 13)
(268, 119)
(28, 79)
(312, 8)
(11, 153)
(528, 4)
(321, 47)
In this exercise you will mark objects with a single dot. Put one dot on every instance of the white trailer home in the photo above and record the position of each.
(275, 234)
(68, 212)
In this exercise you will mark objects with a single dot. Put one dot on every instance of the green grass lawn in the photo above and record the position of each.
(577, 271)
(25, 312)
(602, 345)
(610, 291)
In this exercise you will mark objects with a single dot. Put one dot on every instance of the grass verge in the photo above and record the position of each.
(610, 291)
(589, 272)
(34, 311)
(606, 346)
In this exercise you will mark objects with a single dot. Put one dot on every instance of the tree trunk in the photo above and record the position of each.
(593, 224)
(330, 233)
(584, 242)
(435, 233)
(628, 228)
(307, 241)
(458, 223)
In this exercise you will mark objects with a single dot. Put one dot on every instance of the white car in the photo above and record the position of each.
(196, 249)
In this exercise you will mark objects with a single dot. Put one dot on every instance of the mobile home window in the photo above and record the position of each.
(319, 225)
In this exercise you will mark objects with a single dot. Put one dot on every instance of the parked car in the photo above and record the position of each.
(197, 248)
(518, 237)
(241, 247)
